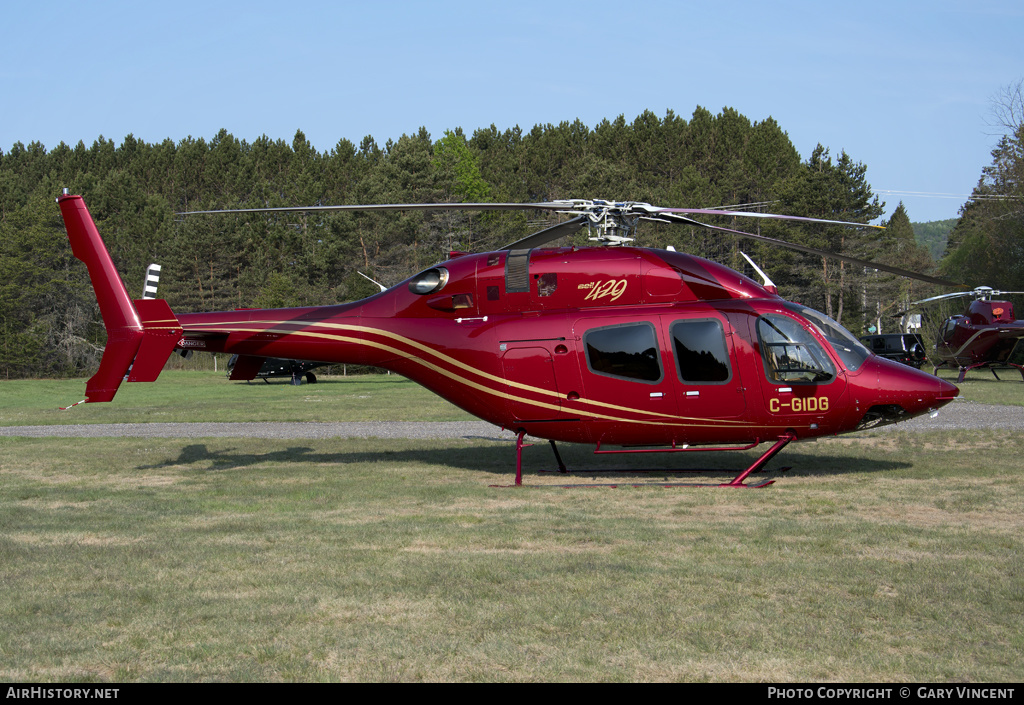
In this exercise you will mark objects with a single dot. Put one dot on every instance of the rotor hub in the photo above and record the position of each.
(608, 222)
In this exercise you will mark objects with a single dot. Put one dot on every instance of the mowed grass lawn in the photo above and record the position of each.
(203, 396)
(888, 556)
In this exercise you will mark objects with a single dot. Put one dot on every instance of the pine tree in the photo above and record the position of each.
(832, 191)
(887, 295)
(986, 248)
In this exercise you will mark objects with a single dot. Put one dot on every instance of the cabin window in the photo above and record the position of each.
(701, 353)
(950, 328)
(546, 283)
(628, 351)
(791, 353)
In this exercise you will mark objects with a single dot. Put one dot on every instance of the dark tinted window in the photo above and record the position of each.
(629, 351)
(701, 354)
(950, 328)
(546, 283)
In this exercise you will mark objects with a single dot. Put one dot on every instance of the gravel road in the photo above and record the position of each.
(958, 415)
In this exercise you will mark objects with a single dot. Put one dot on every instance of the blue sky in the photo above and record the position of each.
(903, 86)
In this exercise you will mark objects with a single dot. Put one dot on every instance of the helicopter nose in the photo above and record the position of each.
(887, 392)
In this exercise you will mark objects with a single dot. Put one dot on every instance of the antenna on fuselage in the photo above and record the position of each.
(382, 287)
(768, 283)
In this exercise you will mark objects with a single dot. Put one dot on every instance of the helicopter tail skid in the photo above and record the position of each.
(141, 334)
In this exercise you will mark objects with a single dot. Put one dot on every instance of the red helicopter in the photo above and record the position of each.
(986, 335)
(647, 350)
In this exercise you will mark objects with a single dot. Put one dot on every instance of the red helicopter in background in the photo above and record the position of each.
(987, 334)
(643, 349)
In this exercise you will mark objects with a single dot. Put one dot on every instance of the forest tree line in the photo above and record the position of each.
(50, 323)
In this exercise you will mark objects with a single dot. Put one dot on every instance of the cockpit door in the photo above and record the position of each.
(803, 387)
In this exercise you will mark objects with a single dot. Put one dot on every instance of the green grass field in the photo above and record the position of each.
(982, 387)
(189, 396)
(888, 556)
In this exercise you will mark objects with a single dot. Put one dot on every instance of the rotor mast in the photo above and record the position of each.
(608, 222)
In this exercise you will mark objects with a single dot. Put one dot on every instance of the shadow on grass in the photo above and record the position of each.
(499, 459)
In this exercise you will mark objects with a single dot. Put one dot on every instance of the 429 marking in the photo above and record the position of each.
(598, 290)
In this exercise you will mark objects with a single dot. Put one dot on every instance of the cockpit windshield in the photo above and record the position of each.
(850, 350)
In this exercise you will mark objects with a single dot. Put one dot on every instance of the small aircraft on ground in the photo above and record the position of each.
(294, 370)
(645, 350)
(269, 367)
(986, 335)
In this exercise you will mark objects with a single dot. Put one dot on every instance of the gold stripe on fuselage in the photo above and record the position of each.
(670, 419)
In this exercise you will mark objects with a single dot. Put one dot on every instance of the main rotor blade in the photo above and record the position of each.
(683, 220)
(771, 216)
(390, 207)
(597, 211)
(942, 297)
(981, 293)
(548, 234)
(572, 206)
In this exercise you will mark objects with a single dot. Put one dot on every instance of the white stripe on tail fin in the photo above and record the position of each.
(152, 279)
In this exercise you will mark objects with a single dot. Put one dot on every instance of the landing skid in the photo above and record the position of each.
(738, 481)
(660, 484)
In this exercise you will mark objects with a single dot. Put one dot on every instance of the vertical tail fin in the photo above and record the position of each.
(87, 245)
(137, 346)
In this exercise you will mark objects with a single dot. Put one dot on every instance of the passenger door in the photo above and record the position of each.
(707, 377)
(626, 371)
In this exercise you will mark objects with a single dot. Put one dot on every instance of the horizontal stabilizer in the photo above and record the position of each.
(162, 333)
